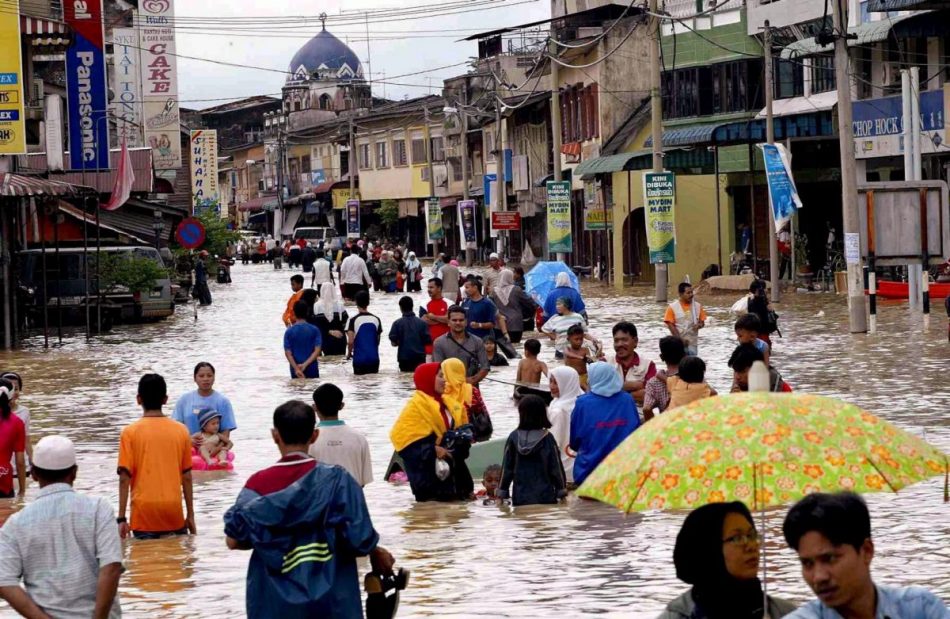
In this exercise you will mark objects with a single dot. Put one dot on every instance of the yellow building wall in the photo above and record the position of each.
(697, 239)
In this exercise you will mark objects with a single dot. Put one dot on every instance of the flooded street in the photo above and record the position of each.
(468, 559)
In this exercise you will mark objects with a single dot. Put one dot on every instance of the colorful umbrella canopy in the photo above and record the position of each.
(760, 448)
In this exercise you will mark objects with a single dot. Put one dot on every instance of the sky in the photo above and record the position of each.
(226, 30)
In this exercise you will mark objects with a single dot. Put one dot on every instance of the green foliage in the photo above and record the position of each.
(126, 270)
(388, 212)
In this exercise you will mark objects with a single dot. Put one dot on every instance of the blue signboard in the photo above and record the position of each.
(880, 117)
(783, 196)
(86, 92)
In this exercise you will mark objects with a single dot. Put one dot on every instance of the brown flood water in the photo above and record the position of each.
(471, 560)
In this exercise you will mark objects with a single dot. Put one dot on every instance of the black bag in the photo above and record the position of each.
(478, 416)
(772, 323)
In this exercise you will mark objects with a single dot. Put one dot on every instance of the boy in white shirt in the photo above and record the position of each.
(338, 443)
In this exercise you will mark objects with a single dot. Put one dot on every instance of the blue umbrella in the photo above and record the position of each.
(539, 281)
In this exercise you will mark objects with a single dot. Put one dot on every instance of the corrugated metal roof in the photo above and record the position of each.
(100, 180)
(18, 185)
(603, 165)
(870, 32)
(686, 135)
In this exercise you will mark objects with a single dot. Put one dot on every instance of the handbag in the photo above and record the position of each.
(478, 416)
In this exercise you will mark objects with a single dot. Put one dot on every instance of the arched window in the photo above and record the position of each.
(326, 103)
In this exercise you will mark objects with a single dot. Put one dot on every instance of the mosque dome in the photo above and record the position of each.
(325, 57)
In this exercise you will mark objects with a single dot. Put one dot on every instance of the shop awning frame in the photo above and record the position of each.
(870, 32)
(604, 165)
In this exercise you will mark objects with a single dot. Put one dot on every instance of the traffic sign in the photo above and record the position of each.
(190, 233)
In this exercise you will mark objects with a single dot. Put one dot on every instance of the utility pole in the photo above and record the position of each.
(435, 242)
(849, 183)
(352, 163)
(770, 138)
(656, 113)
(555, 130)
(502, 198)
(463, 116)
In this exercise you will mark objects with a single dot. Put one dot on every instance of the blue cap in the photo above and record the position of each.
(205, 415)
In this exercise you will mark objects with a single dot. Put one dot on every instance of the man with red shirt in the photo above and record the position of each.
(307, 523)
(437, 312)
(634, 369)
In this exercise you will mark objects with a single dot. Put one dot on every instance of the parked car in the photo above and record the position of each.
(65, 288)
(320, 237)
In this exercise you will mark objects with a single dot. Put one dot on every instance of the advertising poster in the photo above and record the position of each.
(783, 196)
(467, 220)
(87, 95)
(160, 82)
(559, 217)
(127, 86)
(352, 219)
(597, 218)
(659, 191)
(204, 171)
(12, 123)
(434, 228)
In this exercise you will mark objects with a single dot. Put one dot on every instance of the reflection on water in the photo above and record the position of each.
(470, 559)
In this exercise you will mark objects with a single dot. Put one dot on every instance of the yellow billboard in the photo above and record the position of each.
(12, 123)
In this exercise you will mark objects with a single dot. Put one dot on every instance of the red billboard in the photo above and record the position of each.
(506, 220)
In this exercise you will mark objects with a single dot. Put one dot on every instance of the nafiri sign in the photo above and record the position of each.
(160, 82)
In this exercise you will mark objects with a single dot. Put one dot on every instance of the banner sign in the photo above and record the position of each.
(783, 196)
(160, 82)
(87, 95)
(878, 125)
(434, 229)
(659, 191)
(342, 195)
(204, 171)
(467, 220)
(352, 219)
(559, 217)
(127, 86)
(12, 123)
(506, 220)
(597, 218)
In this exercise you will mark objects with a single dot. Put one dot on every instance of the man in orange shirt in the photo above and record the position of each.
(296, 284)
(155, 462)
(685, 317)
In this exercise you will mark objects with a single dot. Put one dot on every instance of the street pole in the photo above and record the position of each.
(555, 131)
(435, 242)
(849, 182)
(502, 198)
(469, 251)
(656, 113)
(770, 138)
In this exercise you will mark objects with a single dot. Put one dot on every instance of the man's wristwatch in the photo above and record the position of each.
(121, 520)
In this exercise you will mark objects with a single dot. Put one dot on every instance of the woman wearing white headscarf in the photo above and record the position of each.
(330, 317)
(566, 388)
(513, 303)
(413, 273)
(563, 290)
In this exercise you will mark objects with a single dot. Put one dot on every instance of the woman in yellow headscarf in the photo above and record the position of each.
(437, 407)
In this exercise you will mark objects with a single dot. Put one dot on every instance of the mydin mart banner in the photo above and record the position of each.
(559, 217)
(434, 229)
(127, 86)
(204, 171)
(12, 123)
(783, 196)
(659, 192)
(467, 220)
(87, 95)
(160, 82)
(352, 219)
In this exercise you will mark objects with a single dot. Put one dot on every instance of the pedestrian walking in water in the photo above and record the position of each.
(354, 276)
(657, 396)
(12, 443)
(832, 535)
(634, 368)
(200, 291)
(685, 317)
(21, 411)
(411, 334)
(531, 462)
(296, 285)
(155, 465)
(306, 524)
(363, 335)
(717, 552)
(189, 406)
(436, 312)
(413, 273)
(60, 556)
(330, 316)
(338, 443)
(302, 344)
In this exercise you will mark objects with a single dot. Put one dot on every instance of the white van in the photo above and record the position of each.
(319, 237)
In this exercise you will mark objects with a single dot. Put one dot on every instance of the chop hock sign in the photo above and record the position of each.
(160, 82)
(12, 123)
(659, 191)
(86, 91)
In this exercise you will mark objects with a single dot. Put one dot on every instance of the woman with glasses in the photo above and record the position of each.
(717, 552)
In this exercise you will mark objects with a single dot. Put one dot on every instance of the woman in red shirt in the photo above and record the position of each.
(12, 443)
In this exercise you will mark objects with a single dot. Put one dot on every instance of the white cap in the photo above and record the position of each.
(493, 256)
(54, 453)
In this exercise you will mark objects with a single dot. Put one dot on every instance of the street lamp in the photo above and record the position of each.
(158, 226)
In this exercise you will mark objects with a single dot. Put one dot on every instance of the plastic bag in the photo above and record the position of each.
(741, 306)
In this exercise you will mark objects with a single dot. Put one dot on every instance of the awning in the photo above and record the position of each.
(263, 203)
(304, 197)
(870, 32)
(291, 216)
(802, 105)
(896, 5)
(673, 159)
(90, 218)
(813, 125)
(258, 219)
(603, 165)
(687, 135)
(324, 187)
(572, 149)
(44, 31)
(18, 185)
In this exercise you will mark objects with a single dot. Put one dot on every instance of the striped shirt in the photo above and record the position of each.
(56, 546)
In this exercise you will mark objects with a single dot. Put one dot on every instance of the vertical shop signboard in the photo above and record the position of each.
(434, 220)
(559, 217)
(467, 220)
(87, 95)
(352, 219)
(160, 82)
(12, 123)
(659, 191)
(204, 171)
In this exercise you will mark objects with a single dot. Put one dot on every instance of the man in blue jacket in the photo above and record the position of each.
(306, 523)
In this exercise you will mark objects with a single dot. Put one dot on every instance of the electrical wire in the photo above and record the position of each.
(601, 35)
(599, 60)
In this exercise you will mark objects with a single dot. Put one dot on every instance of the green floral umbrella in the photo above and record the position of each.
(763, 449)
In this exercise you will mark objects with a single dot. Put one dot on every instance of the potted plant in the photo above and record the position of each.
(801, 255)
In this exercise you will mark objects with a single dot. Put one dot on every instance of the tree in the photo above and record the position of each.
(129, 271)
(388, 213)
